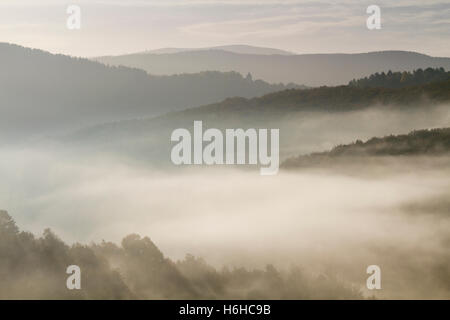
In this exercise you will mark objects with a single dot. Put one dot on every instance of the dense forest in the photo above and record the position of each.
(401, 79)
(35, 267)
(431, 142)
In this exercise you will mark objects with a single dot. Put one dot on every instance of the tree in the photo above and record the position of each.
(7, 224)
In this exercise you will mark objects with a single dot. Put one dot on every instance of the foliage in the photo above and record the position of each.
(401, 79)
(35, 268)
(418, 142)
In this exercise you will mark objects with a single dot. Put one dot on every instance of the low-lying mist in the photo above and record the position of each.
(331, 223)
(320, 220)
(148, 141)
(307, 132)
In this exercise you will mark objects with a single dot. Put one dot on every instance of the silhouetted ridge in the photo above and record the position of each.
(43, 92)
(307, 69)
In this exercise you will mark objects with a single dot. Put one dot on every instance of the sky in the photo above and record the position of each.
(112, 27)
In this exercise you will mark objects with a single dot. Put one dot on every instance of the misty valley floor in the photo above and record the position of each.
(322, 225)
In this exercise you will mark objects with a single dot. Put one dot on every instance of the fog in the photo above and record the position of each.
(391, 212)
(148, 141)
(317, 219)
(308, 132)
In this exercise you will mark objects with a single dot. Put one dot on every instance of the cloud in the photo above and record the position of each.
(295, 25)
(273, 26)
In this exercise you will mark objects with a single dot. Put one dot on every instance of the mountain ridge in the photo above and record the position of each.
(307, 69)
(236, 48)
(41, 90)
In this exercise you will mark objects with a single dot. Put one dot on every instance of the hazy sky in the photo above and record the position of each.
(302, 26)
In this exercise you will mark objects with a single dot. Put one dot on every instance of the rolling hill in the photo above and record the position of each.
(402, 79)
(426, 142)
(307, 69)
(308, 119)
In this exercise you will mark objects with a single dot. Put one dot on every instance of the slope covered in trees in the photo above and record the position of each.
(35, 268)
(432, 142)
(332, 99)
(402, 79)
(292, 111)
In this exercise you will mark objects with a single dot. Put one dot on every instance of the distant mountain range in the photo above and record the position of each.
(40, 91)
(243, 49)
(307, 69)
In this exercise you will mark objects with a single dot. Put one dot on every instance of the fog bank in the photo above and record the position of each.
(315, 219)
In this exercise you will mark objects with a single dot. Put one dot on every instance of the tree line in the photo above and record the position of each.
(35, 268)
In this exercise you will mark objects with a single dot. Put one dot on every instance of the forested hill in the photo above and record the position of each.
(420, 142)
(292, 111)
(41, 91)
(331, 99)
(402, 79)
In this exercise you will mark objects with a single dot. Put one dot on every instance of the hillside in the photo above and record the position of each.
(333, 99)
(283, 103)
(43, 92)
(307, 69)
(402, 79)
(419, 142)
(308, 119)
